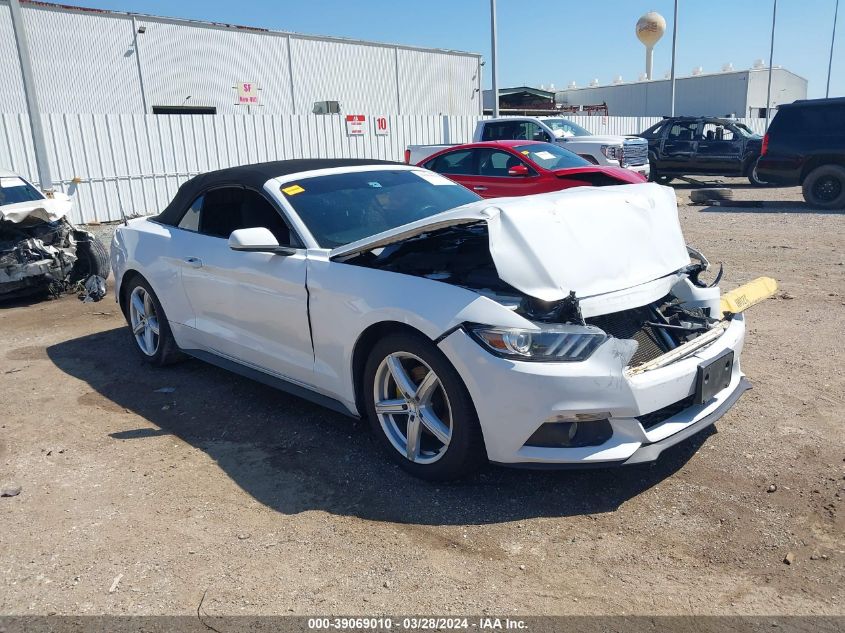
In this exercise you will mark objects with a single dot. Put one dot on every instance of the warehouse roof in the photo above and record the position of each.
(222, 25)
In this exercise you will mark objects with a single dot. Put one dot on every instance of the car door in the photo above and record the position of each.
(251, 307)
(456, 165)
(679, 146)
(654, 136)
(492, 179)
(719, 151)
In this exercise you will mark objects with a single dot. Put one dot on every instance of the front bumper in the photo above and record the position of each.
(32, 274)
(644, 170)
(513, 399)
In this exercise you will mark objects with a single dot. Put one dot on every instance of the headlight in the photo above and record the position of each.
(612, 152)
(559, 343)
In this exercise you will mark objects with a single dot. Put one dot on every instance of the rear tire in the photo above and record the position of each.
(824, 187)
(149, 326)
(752, 175)
(420, 409)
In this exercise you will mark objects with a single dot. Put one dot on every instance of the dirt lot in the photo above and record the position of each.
(268, 504)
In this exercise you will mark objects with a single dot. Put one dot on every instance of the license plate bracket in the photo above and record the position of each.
(713, 376)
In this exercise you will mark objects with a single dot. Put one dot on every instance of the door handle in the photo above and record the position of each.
(479, 188)
(193, 262)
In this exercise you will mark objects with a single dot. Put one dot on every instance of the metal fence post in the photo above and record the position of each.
(42, 161)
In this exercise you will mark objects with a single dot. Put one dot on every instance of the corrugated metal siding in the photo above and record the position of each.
(361, 77)
(786, 88)
(85, 61)
(179, 60)
(133, 164)
(11, 87)
(705, 95)
(82, 62)
(438, 83)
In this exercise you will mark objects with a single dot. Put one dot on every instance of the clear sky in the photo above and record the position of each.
(551, 41)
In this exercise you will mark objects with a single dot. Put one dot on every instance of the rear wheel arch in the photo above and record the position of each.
(126, 282)
(819, 161)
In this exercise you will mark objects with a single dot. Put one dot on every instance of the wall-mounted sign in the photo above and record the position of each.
(247, 93)
(355, 125)
(381, 126)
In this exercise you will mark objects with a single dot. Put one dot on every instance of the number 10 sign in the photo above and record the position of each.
(381, 126)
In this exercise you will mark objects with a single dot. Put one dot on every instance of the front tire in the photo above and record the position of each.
(92, 259)
(824, 187)
(660, 179)
(148, 323)
(420, 409)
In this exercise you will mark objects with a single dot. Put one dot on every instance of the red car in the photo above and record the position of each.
(496, 169)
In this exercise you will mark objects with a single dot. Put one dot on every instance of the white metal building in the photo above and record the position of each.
(92, 61)
(737, 93)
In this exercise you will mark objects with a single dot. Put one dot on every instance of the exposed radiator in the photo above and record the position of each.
(629, 325)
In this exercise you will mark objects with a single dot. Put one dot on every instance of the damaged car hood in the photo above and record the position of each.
(47, 210)
(586, 240)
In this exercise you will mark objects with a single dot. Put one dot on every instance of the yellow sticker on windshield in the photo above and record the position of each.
(525, 152)
(292, 190)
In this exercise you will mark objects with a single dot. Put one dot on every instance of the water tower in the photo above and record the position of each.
(650, 29)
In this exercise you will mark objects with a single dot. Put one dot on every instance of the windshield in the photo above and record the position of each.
(550, 156)
(343, 208)
(14, 190)
(744, 129)
(565, 127)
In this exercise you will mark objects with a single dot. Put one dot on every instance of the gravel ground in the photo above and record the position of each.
(136, 501)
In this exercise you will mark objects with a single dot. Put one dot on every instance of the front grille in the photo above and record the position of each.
(650, 420)
(629, 325)
(635, 152)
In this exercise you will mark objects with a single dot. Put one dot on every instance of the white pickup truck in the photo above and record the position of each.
(630, 152)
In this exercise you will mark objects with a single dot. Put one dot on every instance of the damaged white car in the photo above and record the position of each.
(568, 328)
(40, 250)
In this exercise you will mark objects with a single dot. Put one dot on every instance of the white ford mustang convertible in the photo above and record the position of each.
(562, 329)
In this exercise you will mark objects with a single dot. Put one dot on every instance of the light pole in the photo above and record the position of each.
(42, 163)
(493, 56)
(771, 65)
(674, 48)
(832, 40)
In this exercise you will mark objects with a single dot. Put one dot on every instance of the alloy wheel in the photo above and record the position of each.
(412, 407)
(144, 320)
(827, 188)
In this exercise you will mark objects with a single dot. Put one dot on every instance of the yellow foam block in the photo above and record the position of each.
(748, 295)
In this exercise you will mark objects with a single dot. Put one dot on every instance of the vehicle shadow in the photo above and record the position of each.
(294, 456)
(768, 206)
(24, 299)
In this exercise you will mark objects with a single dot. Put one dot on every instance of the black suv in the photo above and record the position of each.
(686, 146)
(805, 145)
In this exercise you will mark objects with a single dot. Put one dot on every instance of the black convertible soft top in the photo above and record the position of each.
(253, 176)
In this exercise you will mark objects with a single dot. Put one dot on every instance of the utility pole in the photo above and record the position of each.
(832, 41)
(41, 161)
(674, 50)
(493, 58)
(771, 65)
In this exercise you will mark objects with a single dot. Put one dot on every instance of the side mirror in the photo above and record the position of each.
(257, 240)
(518, 170)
